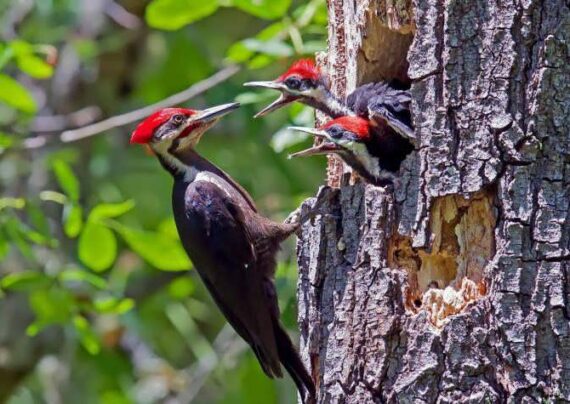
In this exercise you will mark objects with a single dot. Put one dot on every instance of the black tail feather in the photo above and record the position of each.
(290, 358)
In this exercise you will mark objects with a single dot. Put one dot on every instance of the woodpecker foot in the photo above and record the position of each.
(324, 195)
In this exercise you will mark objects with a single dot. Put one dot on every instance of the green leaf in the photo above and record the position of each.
(285, 138)
(272, 47)
(6, 141)
(260, 61)
(159, 250)
(4, 246)
(181, 288)
(50, 306)
(35, 66)
(14, 233)
(239, 53)
(24, 280)
(38, 219)
(87, 336)
(267, 9)
(66, 179)
(72, 219)
(97, 246)
(28, 62)
(174, 14)
(16, 95)
(78, 275)
(14, 203)
(111, 305)
(111, 210)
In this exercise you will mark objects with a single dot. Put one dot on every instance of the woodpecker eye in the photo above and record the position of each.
(293, 83)
(335, 132)
(178, 119)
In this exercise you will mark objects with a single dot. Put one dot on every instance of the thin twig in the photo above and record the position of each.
(138, 114)
(121, 16)
(58, 123)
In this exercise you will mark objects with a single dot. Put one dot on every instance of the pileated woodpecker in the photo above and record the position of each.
(352, 138)
(231, 245)
(382, 103)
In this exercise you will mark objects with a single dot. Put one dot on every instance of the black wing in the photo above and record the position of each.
(216, 237)
(383, 102)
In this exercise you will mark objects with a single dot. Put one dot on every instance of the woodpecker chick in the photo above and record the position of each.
(382, 103)
(374, 157)
(231, 245)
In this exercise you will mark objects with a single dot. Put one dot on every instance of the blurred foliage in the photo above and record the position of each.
(87, 238)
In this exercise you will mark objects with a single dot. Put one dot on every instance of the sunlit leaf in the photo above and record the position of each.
(34, 66)
(24, 280)
(4, 246)
(53, 196)
(181, 288)
(87, 336)
(16, 95)
(77, 275)
(168, 228)
(66, 179)
(112, 305)
(72, 220)
(239, 53)
(285, 138)
(174, 14)
(111, 210)
(50, 306)
(260, 61)
(15, 203)
(271, 31)
(272, 47)
(255, 97)
(6, 141)
(97, 246)
(267, 9)
(162, 252)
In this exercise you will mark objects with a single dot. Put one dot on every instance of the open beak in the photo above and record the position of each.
(281, 101)
(326, 147)
(212, 114)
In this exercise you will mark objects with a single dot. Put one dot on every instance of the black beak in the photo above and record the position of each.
(214, 113)
(281, 101)
(326, 147)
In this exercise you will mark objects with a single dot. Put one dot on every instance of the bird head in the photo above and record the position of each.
(347, 134)
(303, 82)
(182, 126)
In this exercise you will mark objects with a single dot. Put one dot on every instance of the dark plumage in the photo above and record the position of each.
(385, 105)
(231, 245)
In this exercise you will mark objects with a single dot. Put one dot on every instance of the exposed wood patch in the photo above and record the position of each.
(449, 275)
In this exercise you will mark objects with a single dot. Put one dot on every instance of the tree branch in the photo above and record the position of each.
(138, 114)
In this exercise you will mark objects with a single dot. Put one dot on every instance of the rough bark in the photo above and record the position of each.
(453, 287)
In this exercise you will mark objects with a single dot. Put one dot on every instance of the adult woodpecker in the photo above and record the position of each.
(231, 245)
(381, 103)
(353, 139)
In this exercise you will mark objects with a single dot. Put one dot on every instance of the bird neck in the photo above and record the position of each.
(186, 165)
(183, 163)
(324, 100)
(365, 162)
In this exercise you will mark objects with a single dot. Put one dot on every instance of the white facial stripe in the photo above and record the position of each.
(163, 146)
(361, 153)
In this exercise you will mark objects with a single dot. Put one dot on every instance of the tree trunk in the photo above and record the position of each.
(454, 287)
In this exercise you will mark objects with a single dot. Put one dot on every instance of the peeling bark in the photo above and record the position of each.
(453, 287)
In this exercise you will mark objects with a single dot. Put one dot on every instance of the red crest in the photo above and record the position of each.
(144, 131)
(304, 68)
(355, 124)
